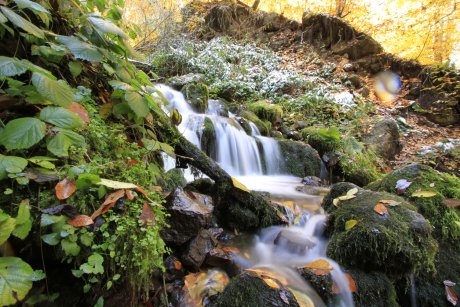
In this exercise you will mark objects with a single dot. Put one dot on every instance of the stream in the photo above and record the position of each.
(256, 161)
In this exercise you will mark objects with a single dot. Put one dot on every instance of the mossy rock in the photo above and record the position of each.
(263, 126)
(300, 159)
(266, 111)
(446, 221)
(198, 95)
(397, 243)
(322, 139)
(373, 289)
(208, 139)
(250, 290)
(202, 185)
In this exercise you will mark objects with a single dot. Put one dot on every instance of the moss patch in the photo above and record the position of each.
(198, 94)
(266, 111)
(373, 290)
(300, 159)
(397, 243)
(263, 126)
(208, 139)
(322, 139)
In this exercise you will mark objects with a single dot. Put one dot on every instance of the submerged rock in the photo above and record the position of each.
(375, 231)
(383, 135)
(189, 213)
(294, 240)
(197, 249)
(300, 159)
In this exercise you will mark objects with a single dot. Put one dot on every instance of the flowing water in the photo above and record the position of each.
(256, 161)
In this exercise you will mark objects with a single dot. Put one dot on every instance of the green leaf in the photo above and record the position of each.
(51, 239)
(60, 143)
(70, 248)
(61, 117)
(424, 194)
(137, 103)
(86, 180)
(23, 221)
(100, 300)
(58, 92)
(11, 162)
(47, 219)
(94, 264)
(350, 224)
(3, 18)
(15, 280)
(38, 69)
(10, 67)
(22, 133)
(6, 228)
(81, 50)
(77, 273)
(38, 275)
(31, 5)
(43, 162)
(106, 26)
(75, 68)
(22, 23)
(86, 239)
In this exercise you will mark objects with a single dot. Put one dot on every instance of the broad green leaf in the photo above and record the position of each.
(75, 68)
(106, 26)
(22, 231)
(424, 194)
(61, 117)
(43, 162)
(59, 145)
(6, 228)
(51, 239)
(137, 103)
(22, 23)
(3, 18)
(70, 248)
(350, 224)
(22, 133)
(53, 54)
(38, 69)
(31, 5)
(86, 239)
(86, 180)
(15, 280)
(119, 85)
(94, 264)
(47, 219)
(10, 67)
(23, 221)
(75, 138)
(58, 92)
(116, 184)
(239, 185)
(7, 163)
(81, 50)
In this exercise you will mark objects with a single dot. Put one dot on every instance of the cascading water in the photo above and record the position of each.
(256, 161)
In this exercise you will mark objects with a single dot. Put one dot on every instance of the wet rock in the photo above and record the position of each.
(196, 250)
(312, 181)
(356, 81)
(223, 258)
(248, 289)
(383, 135)
(179, 82)
(396, 242)
(312, 190)
(294, 240)
(189, 213)
(198, 95)
(208, 139)
(300, 125)
(174, 269)
(201, 185)
(300, 159)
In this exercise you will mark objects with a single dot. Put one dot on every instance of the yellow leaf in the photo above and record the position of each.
(336, 202)
(239, 185)
(116, 184)
(352, 191)
(271, 282)
(319, 267)
(350, 224)
(424, 194)
(302, 299)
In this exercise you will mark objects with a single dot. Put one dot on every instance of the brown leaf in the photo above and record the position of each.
(80, 221)
(130, 194)
(177, 265)
(105, 110)
(147, 215)
(451, 296)
(80, 111)
(386, 201)
(109, 202)
(380, 209)
(451, 203)
(141, 190)
(351, 285)
(65, 188)
(319, 267)
(271, 282)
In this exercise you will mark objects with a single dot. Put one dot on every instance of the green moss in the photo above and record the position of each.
(266, 111)
(373, 290)
(198, 94)
(322, 139)
(445, 220)
(300, 159)
(397, 243)
(263, 126)
(208, 138)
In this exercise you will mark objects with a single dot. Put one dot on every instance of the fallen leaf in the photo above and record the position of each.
(80, 221)
(336, 202)
(451, 203)
(177, 265)
(352, 191)
(350, 224)
(432, 185)
(239, 185)
(284, 298)
(380, 209)
(351, 285)
(319, 267)
(386, 201)
(109, 202)
(129, 194)
(65, 188)
(80, 111)
(116, 184)
(402, 185)
(269, 274)
(424, 194)
(141, 190)
(147, 216)
(302, 299)
(271, 282)
(231, 249)
(451, 296)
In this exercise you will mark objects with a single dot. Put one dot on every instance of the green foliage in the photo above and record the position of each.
(22, 133)
(322, 139)
(16, 278)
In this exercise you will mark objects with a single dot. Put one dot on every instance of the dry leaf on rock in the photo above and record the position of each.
(380, 209)
(351, 285)
(80, 221)
(424, 194)
(109, 202)
(350, 224)
(319, 267)
(147, 216)
(65, 188)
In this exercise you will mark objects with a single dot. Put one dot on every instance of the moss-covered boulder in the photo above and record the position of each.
(250, 290)
(322, 139)
(208, 138)
(264, 126)
(179, 82)
(396, 241)
(300, 159)
(267, 111)
(382, 134)
(174, 178)
(198, 95)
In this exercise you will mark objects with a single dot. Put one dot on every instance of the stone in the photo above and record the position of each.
(382, 133)
(300, 159)
(189, 213)
(196, 250)
(365, 91)
(174, 269)
(355, 80)
(179, 82)
(294, 240)
(348, 67)
(299, 125)
(198, 95)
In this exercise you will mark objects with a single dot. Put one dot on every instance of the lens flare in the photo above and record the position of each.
(387, 85)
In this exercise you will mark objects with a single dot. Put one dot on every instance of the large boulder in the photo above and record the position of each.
(180, 81)
(382, 133)
(338, 36)
(198, 95)
(189, 212)
(388, 235)
(300, 159)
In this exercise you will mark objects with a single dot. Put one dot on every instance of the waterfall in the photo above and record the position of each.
(236, 152)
